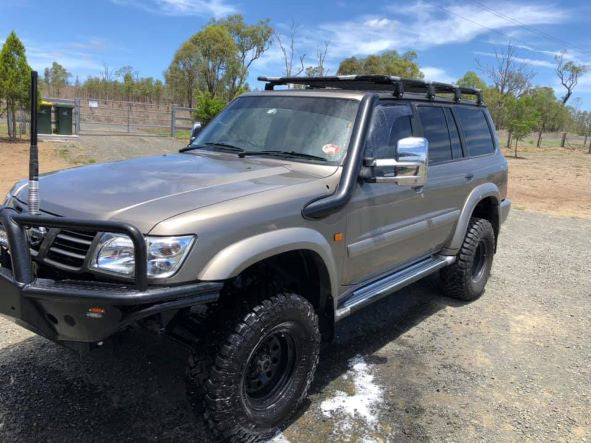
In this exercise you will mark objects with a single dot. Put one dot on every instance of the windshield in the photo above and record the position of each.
(303, 128)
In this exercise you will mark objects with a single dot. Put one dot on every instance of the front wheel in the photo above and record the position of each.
(262, 368)
(467, 277)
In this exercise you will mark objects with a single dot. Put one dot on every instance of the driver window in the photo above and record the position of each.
(389, 124)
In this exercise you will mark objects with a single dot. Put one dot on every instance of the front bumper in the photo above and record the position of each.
(83, 311)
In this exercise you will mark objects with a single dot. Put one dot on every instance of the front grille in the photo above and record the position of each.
(70, 248)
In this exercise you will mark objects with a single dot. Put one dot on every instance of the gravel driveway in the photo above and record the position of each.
(416, 366)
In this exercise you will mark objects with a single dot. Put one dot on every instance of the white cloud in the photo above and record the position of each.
(524, 60)
(201, 8)
(437, 74)
(80, 56)
(426, 25)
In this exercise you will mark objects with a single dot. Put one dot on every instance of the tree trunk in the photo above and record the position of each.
(11, 121)
(14, 124)
(540, 139)
(516, 148)
(589, 148)
(585, 141)
(508, 139)
(563, 141)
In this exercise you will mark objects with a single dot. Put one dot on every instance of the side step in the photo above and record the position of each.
(386, 285)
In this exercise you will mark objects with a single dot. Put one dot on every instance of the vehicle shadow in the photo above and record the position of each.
(368, 330)
(134, 389)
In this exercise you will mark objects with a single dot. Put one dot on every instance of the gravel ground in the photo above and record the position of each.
(513, 365)
(113, 146)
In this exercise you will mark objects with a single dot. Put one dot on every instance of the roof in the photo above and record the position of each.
(397, 85)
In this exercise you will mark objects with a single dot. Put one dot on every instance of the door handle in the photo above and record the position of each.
(469, 176)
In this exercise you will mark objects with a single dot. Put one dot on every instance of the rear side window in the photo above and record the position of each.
(454, 136)
(477, 134)
(389, 124)
(435, 131)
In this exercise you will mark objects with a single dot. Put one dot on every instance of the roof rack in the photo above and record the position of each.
(399, 86)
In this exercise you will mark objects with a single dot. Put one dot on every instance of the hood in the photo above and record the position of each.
(148, 190)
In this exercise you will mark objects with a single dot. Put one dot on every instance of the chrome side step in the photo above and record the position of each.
(386, 285)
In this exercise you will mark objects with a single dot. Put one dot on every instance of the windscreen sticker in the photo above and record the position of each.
(331, 149)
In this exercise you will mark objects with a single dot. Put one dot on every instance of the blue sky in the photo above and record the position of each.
(449, 36)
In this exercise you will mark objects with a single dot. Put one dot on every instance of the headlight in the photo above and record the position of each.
(115, 255)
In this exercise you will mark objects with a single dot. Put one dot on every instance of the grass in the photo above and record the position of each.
(181, 134)
(65, 154)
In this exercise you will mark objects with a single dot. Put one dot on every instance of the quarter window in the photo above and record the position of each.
(476, 131)
(435, 131)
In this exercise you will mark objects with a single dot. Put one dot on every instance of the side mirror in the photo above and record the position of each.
(195, 130)
(409, 167)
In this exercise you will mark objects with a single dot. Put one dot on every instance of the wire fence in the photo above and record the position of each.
(114, 117)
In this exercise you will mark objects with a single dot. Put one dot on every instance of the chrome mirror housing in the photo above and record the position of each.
(195, 130)
(409, 168)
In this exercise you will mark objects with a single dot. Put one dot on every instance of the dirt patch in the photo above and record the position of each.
(551, 180)
(14, 161)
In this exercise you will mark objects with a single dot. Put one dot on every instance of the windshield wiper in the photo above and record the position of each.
(227, 147)
(224, 146)
(282, 154)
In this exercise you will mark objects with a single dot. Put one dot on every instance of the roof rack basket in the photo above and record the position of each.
(399, 86)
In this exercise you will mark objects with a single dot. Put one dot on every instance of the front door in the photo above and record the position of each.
(390, 226)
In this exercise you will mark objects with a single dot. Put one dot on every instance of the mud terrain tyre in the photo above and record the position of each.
(258, 368)
(467, 277)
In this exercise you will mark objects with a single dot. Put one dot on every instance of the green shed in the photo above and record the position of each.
(63, 114)
(44, 118)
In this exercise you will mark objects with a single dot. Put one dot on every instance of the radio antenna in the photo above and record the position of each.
(34, 152)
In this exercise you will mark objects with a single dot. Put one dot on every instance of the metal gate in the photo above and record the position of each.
(122, 117)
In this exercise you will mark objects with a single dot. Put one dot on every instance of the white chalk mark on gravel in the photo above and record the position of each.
(367, 395)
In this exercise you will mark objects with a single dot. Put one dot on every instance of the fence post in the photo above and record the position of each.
(173, 121)
(128, 112)
(563, 141)
(78, 110)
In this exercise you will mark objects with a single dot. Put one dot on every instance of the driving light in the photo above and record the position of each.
(115, 255)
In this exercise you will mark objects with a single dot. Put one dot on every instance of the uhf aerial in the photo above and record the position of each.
(34, 152)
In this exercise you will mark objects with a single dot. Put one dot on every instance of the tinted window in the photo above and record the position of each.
(435, 131)
(389, 124)
(476, 131)
(454, 136)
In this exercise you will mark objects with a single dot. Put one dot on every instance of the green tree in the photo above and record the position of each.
(208, 107)
(552, 114)
(523, 118)
(568, 73)
(471, 80)
(15, 74)
(56, 77)
(181, 76)
(251, 43)
(128, 86)
(217, 52)
(387, 63)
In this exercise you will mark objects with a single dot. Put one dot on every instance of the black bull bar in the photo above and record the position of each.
(84, 311)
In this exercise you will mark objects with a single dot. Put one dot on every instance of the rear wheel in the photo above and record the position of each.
(467, 277)
(260, 368)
